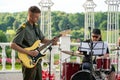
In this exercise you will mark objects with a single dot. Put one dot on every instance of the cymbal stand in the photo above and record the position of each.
(60, 63)
(117, 61)
(65, 60)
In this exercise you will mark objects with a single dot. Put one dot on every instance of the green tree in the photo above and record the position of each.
(3, 37)
(16, 24)
(100, 17)
(78, 34)
(9, 20)
(76, 20)
(10, 33)
(103, 25)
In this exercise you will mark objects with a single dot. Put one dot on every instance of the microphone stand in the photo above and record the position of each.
(91, 54)
(50, 49)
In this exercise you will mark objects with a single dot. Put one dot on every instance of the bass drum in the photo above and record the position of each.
(82, 75)
(69, 69)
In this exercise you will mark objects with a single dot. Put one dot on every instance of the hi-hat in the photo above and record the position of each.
(115, 49)
(72, 53)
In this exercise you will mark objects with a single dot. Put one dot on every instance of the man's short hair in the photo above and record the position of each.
(96, 31)
(34, 9)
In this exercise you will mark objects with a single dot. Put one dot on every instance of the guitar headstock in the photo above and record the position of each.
(65, 32)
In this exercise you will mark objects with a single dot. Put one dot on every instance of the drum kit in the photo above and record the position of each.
(72, 71)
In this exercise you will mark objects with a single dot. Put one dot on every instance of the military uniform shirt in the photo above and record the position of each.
(26, 35)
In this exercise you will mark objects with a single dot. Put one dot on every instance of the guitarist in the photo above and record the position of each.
(25, 37)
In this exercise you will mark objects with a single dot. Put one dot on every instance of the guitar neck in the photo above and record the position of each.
(45, 45)
(48, 43)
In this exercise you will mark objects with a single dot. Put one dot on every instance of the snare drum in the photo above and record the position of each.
(82, 75)
(69, 69)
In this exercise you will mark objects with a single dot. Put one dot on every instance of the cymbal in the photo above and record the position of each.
(115, 49)
(72, 53)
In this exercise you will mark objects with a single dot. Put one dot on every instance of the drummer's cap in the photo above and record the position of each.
(96, 31)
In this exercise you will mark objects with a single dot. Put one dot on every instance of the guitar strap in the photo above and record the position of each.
(25, 42)
(34, 27)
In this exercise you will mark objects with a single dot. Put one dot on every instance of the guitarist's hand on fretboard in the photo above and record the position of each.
(54, 40)
(33, 53)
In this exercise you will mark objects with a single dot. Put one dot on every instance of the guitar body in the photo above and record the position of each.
(29, 61)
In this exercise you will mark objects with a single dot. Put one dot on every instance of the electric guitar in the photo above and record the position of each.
(30, 61)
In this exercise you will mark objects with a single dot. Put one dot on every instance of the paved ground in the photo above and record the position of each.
(18, 76)
(11, 76)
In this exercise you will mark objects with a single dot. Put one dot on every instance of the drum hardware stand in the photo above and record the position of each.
(60, 63)
(50, 49)
(65, 60)
(117, 61)
(101, 75)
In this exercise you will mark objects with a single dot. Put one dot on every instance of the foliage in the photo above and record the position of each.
(79, 33)
(60, 21)
(10, 33)
(100, 17)
(3, 37)
(8, 51)
(9, 66)
(12, 20)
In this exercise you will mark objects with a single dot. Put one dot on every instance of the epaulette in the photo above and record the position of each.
(23, 25)
(36, 24)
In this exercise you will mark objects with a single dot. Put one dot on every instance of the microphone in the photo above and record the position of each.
(89, 28)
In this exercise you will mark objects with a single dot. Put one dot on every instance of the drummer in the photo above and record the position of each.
(86, 64)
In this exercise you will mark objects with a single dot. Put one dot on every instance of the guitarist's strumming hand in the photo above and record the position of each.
(33, 53)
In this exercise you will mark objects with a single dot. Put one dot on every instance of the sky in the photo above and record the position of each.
(68, 6)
